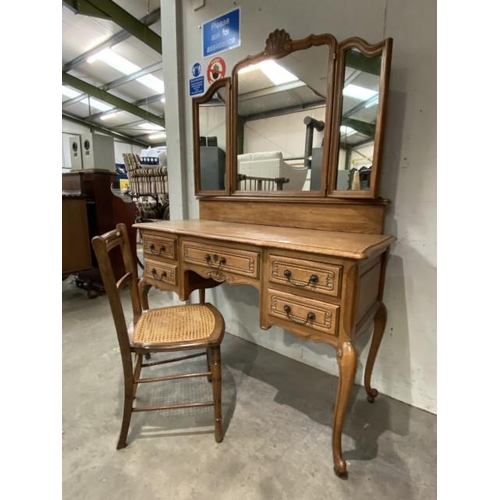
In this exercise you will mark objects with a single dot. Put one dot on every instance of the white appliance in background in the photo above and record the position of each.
(75, 151)
(154, 156)
(98, 152)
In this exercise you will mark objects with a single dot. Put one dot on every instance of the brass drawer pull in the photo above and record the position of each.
(310, 315)
(152, 249)
(154, 272)
(213, 259)
(313, 279)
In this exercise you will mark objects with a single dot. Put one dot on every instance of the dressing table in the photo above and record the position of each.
(317, 255)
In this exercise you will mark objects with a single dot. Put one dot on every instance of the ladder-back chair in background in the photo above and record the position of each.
(160, 330)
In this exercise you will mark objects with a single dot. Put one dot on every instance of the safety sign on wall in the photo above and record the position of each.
(197, 83)
(221, 33)
(216, 69)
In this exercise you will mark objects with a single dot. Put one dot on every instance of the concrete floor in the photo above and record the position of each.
(276, 416)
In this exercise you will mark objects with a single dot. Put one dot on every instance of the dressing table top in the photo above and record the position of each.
(338, 244)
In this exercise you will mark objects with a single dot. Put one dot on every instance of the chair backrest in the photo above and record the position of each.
(118, 239)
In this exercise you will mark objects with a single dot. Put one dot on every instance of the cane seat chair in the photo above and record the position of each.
(160, 330)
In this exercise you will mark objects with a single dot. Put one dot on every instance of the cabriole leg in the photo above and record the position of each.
(380, 321)
(347, 361)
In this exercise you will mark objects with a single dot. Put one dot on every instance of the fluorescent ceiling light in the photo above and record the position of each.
(346, 131)
(151, 126)
(276, 73)
(161, 135)
(126, 67)
(152, 82)
(107, 116)
(359, 92)
(70, 92)
(94, 103)
(114, 60)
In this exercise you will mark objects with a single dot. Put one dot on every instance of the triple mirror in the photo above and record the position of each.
(303, 118)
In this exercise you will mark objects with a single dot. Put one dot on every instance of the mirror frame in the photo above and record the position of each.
(196, 104)
(383, 49)
(278, 45)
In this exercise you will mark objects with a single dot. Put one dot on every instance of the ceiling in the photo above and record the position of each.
(112, 63)
(112, 68)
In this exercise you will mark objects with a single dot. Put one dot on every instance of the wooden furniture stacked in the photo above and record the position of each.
(98, 209)
(316, 255)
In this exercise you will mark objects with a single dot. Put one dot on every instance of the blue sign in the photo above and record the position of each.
(222, 33)
(196, 69)
(197, 85)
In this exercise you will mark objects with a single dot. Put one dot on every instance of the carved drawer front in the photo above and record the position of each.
(160, 273)
(306, 275)
(159, 247)
(314, 314)
(224, 259)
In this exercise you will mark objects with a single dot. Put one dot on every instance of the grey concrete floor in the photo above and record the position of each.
(276, 416)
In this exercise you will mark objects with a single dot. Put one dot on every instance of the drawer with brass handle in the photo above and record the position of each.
(162, 247)
(305, 274)
(314, 314)
(226, 259)
(159, 272)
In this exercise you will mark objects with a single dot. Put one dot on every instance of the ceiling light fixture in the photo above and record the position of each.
(70, 92)
(358, 92)
(161, 135)
(126, 67)
(151, 126)
(276, 73)
(108, 116)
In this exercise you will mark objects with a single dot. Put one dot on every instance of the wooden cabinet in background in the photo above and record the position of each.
(76, 255)
(104, 209)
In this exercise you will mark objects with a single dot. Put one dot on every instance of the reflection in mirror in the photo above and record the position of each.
(281, 115)
(212, 141)
(360, 102)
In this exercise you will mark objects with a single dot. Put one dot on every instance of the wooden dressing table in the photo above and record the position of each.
(317, 257)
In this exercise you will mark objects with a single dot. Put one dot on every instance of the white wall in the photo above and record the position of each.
(285, 133)
(406, 364)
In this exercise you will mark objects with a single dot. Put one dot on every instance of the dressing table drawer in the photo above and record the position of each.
(306, 312)
(163, 247)
(305, 275)
(224, 259)
(159, 273)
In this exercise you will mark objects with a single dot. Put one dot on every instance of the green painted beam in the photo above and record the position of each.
(359, 61)
(364, 128)
(111, 99)
(85, 8)
(123, 137)
(110, 10)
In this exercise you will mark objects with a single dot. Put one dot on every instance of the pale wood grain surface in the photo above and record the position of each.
(346, 245)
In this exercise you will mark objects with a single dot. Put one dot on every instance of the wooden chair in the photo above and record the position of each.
(161, 330)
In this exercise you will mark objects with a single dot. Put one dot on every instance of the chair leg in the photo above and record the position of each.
(129, 393)
(127, 414)
(137, 370)
(209, 377)
(215, 368)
